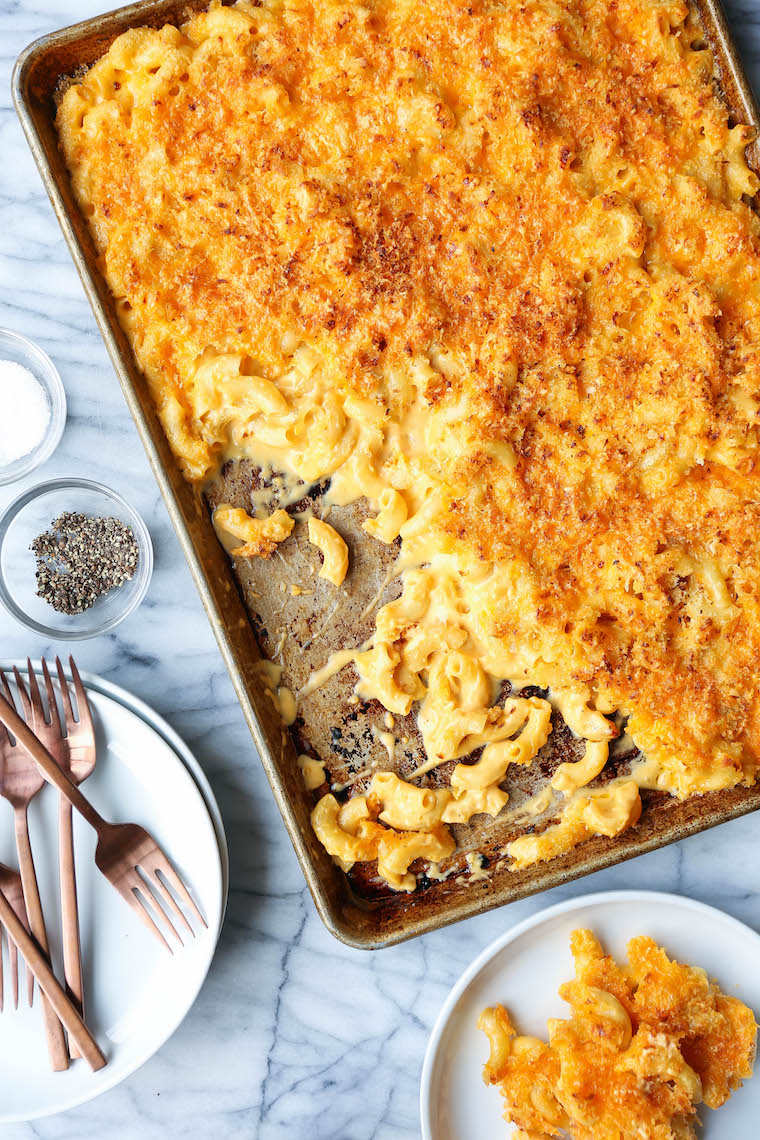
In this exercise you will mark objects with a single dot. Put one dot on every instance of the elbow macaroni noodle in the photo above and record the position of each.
(333, 548)
(260, 536)
(571, 777)
(521, 320)
(405, 806)
(392, 515)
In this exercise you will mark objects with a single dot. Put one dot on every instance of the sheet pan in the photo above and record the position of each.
(252, 609)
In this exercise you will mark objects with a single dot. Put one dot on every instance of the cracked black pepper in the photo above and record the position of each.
(80, 558)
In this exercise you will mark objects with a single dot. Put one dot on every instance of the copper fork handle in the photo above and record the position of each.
(56, 1039)
(48, 766)
(72, 955)
(50, 985)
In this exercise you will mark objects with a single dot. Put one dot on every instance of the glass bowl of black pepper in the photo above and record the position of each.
(75, 559)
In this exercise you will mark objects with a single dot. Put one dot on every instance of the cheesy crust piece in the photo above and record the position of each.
(644, 1045)
(260, 536)
(496, 268)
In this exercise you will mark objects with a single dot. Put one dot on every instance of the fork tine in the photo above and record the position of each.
(63, 684)
(13, 962)
(34, 695)
(174, 880)
(6, 687)
(23, 696)
(19, 905)
(29, 986)
(55, 719)
(8, 696)
(158, 884)
(140, 907)
(16, 899)
(83, 705)
(154, 890)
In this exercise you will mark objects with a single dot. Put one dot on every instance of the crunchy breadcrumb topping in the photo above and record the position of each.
(500, 259)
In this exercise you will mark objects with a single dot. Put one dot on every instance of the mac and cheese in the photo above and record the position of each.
(496, 269)
(642, 1048)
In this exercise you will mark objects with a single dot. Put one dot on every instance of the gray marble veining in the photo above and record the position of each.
(294, 1036)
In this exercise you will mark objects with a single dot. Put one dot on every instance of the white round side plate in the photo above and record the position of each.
(523, 971)
(136, 993)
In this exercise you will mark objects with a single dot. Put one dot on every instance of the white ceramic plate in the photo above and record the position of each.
(136, 994)
(523, 970)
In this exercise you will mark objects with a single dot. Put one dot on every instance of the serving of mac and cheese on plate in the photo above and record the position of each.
(645, 1044)
(623, 1015)
(451, 311)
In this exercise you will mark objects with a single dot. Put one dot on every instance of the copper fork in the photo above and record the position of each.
(10, 885)
(75, 753)
(123, 849)
(20, 781)
(13, 923)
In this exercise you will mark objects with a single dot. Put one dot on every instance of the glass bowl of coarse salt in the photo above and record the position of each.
(32, 406)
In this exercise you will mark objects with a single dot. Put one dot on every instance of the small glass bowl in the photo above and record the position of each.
(22, 351)
(31, 515)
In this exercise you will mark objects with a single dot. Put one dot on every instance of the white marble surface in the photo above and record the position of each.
(294, 1036)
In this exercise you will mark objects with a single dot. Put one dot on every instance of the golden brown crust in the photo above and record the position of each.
(546, 197)
(716, 1033)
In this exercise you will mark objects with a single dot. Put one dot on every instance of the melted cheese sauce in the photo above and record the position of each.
(282, 698)
(313, 772)
(388, 741)
(320, 677)
(477, 872)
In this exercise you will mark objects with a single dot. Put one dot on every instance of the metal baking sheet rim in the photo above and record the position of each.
(348, 918)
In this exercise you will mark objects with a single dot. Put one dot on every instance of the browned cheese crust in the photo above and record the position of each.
(544, 204)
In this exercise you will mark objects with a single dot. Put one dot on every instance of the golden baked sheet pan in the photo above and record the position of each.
(256, 612)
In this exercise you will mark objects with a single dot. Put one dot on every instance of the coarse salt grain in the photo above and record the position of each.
(24, 412)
